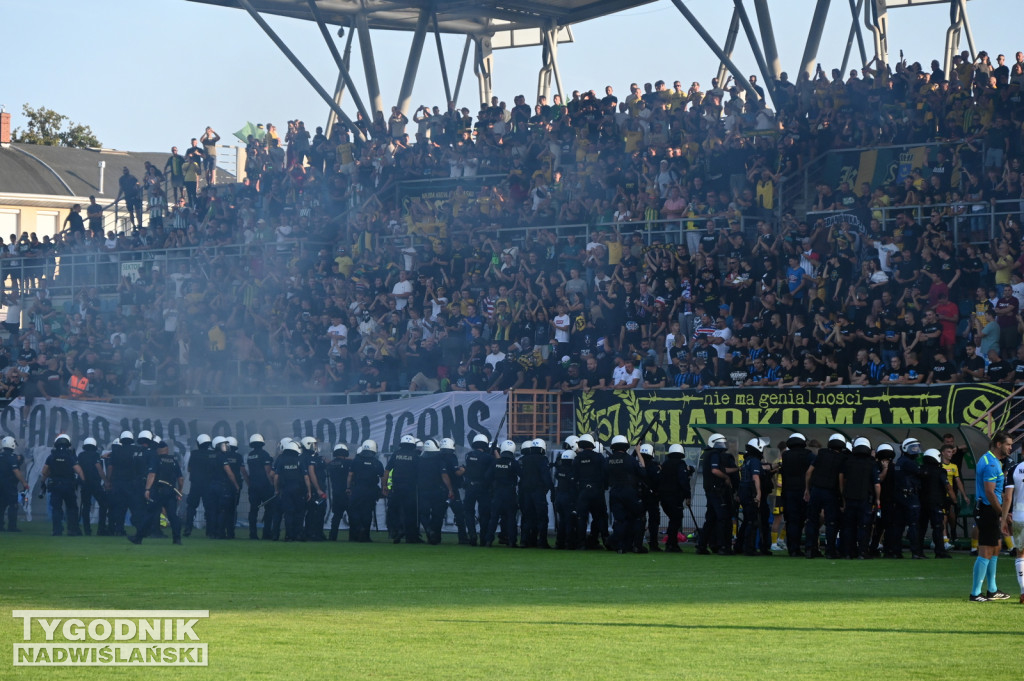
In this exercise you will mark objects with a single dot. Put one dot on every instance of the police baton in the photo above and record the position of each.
(696, 527)
(266, 501)
(497, 433)
(643, 433)
(176, 491)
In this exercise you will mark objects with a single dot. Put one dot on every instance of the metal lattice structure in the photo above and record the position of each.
(490, 25)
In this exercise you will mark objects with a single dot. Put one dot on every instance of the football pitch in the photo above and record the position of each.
(381, 611)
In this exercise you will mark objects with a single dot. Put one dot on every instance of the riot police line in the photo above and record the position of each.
(611, 498)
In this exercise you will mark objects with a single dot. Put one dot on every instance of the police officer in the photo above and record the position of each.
(935, 489)
(433, 490)
(673, 487)
(62, 466)
(624, 474)
(292, 486)
(456, 472)
(92, 487)
(860, 489)
(364, 490)
(274, 509)
(162, 492)
(649, 495)
(534, 486)
(503, 495)
(143, 448)
(226, 485)
(566, 493)
(260, 467)
(316, 509)
(478, 477)
(821, 493)
(885, 511)
(10, 477)
(907, 482)
(337, 477)
(119, 481)
(795, 462)
(400, 490)
(591, 471)
(753, 493)
(199, 469)
(718, 489)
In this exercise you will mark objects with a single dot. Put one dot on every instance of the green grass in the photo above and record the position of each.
(380, 611)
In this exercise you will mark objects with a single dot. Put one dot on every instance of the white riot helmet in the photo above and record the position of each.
(256, 439)
(283, 444)
(538, 443)
(675, 449)
(87, 442)
(586, 441)
(756, 445)
(619, 441)
(126, 436)
(62, 440)
(862, 442)
(837, 437)
(232, 441)
(218, 441)
(145, 435)
(341, 449)
(646, 450)
(8, 443)
(933, 454)
(368, 446)
(447, 443)
(570, 442)
(480, 439)
(430, 446)
(507, 447)
(309, 442)
(157, 439)
(203, 439)
(568, 455)
(717, 441)
(911, 446)
(408, 440)
(291, 446)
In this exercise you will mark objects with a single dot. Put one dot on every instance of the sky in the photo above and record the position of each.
(147, 79)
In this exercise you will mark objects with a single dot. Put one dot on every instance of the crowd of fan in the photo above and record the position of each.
(596, 244)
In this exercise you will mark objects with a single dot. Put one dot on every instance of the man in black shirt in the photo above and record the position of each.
(822, 495)
(92, 487)
(943, 371)
(162, 493)
(860, 487)
(999, 369)
(337, 474)
(259, 464)
(62, 466)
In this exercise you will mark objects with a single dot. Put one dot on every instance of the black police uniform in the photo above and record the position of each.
(907, 482)
(624, 500)
(478, 478)
(61, 483)
(316, 507)
(591, 471)
(163, 495)
(292, 491)
(364, 487)
(860, 476)
(881, 534)
(403, 519)
(456, 472)
(824, 497)
(228, 494)
(755, 513)
(199, 471)
(261, 490)
(717, 531)
(431, 494)
(119, 471)
(92, 488)
(337, 477)
(9, 489)
(674, 492)
(795, 462)
(566, 493)
(933, 499)
(503, 500)
(650, 500)
(140, 456)
(534, 485)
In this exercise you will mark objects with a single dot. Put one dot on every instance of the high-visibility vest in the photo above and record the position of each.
(79, 384)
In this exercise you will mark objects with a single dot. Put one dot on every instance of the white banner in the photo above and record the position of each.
(458, 415)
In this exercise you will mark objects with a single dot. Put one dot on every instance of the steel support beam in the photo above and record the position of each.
(339, 88)
(483, 67)
(462, 69)
(967, 29)
(748, 29)
(771, 52)
(814, 37)
(729, 46)
(343, 75)
(413, 64)
(553, 40)
(855, 7)
(706, 37)
(369, 67)
(877, 21)
(440, 59)
(956, 22)
(247, 6)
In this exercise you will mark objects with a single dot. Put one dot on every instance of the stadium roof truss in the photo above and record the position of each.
(501, 24)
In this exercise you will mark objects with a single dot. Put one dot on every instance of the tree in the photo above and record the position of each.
(47, 127)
